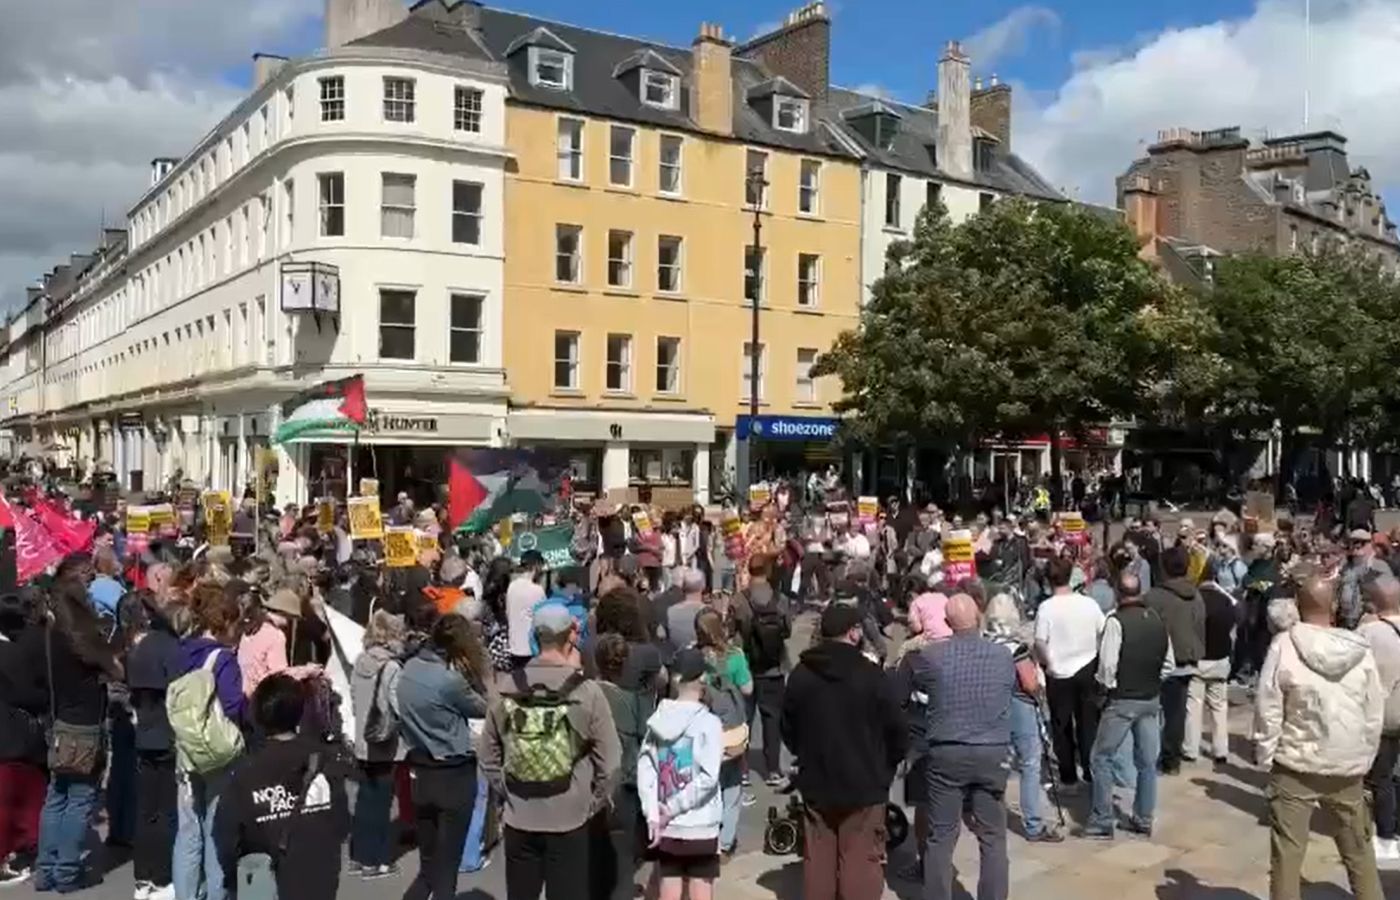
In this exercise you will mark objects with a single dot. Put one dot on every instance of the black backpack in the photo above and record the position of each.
(767, 637)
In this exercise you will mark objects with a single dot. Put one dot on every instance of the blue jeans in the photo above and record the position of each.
(731, 774)
(1141, 719)
(370, 828)
(1026, 743)
(475, 846)
(196, 870)
(63, 828)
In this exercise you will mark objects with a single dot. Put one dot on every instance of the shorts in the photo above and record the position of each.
(916, 782)
(681, 858)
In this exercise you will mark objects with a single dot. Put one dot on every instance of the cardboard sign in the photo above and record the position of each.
(369, 487)
(642, 522)
(868, 509)
(958, 560)
(265, 465)
(365, 521)
(1259, 506)
(216, 498)
(1076, 532)
(427, 543)
(759, 495)
(218, 518)
(138, 520)
(162, 516)
(400, 545)
(325, 515)
(730, 526)
(507, 529)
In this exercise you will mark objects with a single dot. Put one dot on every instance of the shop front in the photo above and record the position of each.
(786, 447)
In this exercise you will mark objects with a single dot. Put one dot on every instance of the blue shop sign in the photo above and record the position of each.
(786, 428)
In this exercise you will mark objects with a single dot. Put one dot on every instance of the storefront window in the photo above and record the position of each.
(661, 465)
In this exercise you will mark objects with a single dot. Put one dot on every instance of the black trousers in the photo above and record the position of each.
(1074, 720)
(443, 797)
(616, 838)
(154, 840)
(1381, 781)
(1175, 692)
(556, 862)
(768, 697)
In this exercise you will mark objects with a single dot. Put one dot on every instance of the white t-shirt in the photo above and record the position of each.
(521, 599)
(1067, 629)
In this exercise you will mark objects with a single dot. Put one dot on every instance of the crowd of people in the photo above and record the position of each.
(247, 714)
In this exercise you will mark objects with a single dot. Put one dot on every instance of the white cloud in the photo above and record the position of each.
(1011, 35)
(90, 91)
(874, 89)
(1248, 72)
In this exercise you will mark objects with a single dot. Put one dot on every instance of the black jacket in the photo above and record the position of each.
(264, 798)
(151, 665)
(1221, 617)
(1179, 604)
(842, 720)
(24, 697)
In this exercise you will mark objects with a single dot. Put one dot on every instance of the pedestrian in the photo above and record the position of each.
(1178, 601)
(1209, 687)
(262, 648)
(1318, 718)
(841, 719)
(286, 800)
(378, 747)
(153, 661)
(1383, 634)
(440, 690)
(678, 783)
(24, 708)
(1067, 630)
(551, 796)
(523, 595)
(1135, 655)
(680, 618)
(970, 682)
(618, 830)
(728, 674)
(763, 618)
(1362, 565)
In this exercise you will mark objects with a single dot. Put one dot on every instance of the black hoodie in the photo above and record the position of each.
(842, 720)
(24, 697)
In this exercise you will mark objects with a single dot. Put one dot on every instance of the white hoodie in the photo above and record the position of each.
(1320, 703)
(678, 769)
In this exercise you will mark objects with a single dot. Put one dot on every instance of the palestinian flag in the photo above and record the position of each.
(329, 406)
(486, 486)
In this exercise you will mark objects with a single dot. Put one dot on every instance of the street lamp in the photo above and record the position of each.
(755, 187)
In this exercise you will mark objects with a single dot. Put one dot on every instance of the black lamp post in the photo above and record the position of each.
(756, 187)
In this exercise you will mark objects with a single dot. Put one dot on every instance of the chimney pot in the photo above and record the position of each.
(350, 20)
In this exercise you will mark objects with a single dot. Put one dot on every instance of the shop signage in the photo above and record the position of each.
(378, 421)
(786, 428)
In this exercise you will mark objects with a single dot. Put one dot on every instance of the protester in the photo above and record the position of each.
(1135, 655)
(286, 800)
(523, 595)
(262, 650)
(1067, 630)
(550, 796)
(678, 773)
(24, 708)
(970, 682)
(1362, 566)
(1318, 719)
(1209, 686)
(680, 618)
(763, 619)
(569, 584)
(1383, 634)
(842, 721)
(440, 690)
(378, 747)
(727, 674)
(619, 829)
(1178, 602)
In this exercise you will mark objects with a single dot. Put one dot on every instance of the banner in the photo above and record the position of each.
(72, 535)
(325, 515)
(400, 547)
(958, 560)
(868, 509)
(163, 515)
(554, 544)
(365, 521)
(1076, 532)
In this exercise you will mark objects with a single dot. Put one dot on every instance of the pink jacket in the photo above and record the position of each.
(930, 612)
(261, 654)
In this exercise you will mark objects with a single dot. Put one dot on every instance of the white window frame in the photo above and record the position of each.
(624, 263)
(289, 209)
(623, 365)
(812, 285)
(333, 98)
(674, 384)
(805, 390)
(546, 56)
(630, 160)
(384, 207)
(745, 370)
(573, 361)
(678, 267)
(453, 329)
(571, 160)
(575, 258)
(678, 166)
(809, 195)
(400, 99)
(468, 214)
(411, 327)
(327, 201)
(894, 205)
(467, 108)
(666, 82)
(749, 155)
(761, 274)
(797, 106)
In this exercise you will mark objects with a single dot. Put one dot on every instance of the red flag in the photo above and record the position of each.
(464, 492)
(35, 548)
(71, 535)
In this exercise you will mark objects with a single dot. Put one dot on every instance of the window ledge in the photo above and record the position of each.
(612, 291)
(812, 216)
(567, 393)
(672, 296)
(668, 398)
(570, 183)
(808, 404)
(619, 395)
(570, 287)
(622, 189)
(674, 198)
(808, 311)
(894, 229)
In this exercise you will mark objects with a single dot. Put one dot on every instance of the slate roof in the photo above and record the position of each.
(423, 31)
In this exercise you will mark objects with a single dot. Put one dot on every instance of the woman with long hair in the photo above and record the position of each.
(78, 660)
(24, 705)
(495, 625)
(728, 670)
(440, 691)
(373, 686)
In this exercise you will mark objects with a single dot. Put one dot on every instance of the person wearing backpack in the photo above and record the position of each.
(764, 620)
(678, 783)
(617, 830)
(729, 685)
(555, 771)
(373, 692)
(568, 592)
(439, 691)
(289, 792)
(205, 706)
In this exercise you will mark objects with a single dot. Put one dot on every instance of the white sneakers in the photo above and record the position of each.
(147, 891)
(1386, 851)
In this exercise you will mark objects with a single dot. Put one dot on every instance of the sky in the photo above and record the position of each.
(91, 90)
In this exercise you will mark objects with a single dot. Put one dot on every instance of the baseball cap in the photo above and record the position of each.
(553, 618)
(1360, 534)
(839, 618)
(689, 665)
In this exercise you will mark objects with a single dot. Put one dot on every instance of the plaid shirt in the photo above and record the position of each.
(969, 681)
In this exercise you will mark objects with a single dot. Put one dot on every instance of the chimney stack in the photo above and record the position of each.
(350, 20)
(712, 88)
(265, 68)
(954, 146)
(1142, 211)
(799, 50)
(160, 167)
(991, 110)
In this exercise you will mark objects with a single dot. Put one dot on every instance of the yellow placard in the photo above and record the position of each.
(138, 520)
(365, 521)
(427, 543)
(265, 465)
(369, 487)
(218, 518)
(400, 545)
(958, 558)
(642, 522)
(325, 515)
(730, 526)
(868, 508)
(1072, 522)
(759, 495)
(162, 514)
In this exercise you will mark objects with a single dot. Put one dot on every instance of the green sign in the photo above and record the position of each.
(554, 544)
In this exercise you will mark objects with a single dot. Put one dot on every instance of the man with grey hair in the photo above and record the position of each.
(1382, 632)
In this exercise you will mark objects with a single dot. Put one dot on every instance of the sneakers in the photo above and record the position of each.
(1386, 850)
(354, 869)
(162, 893)
(10, 875)
(143, 891)
(747, 799)
(1047, 835)
(745, 780)
(1137, 826)
(776, 780)
(374, 873)
(1096, 833)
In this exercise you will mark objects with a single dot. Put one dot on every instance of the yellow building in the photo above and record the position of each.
(628, 239)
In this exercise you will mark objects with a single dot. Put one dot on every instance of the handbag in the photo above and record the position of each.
(74, 750)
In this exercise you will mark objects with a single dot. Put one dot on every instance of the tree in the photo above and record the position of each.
(1026, 318)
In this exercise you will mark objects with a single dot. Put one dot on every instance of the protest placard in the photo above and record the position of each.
(365, 521)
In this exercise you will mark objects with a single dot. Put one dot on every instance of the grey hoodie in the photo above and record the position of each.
(364, 679)
(678, 770)
(1179, 604)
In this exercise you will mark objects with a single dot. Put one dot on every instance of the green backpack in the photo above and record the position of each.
(541, 745)
(205, 739)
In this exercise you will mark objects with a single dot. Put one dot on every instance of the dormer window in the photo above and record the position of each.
(660, 89)
(551, 69)
(790, 114)
(783, 104)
